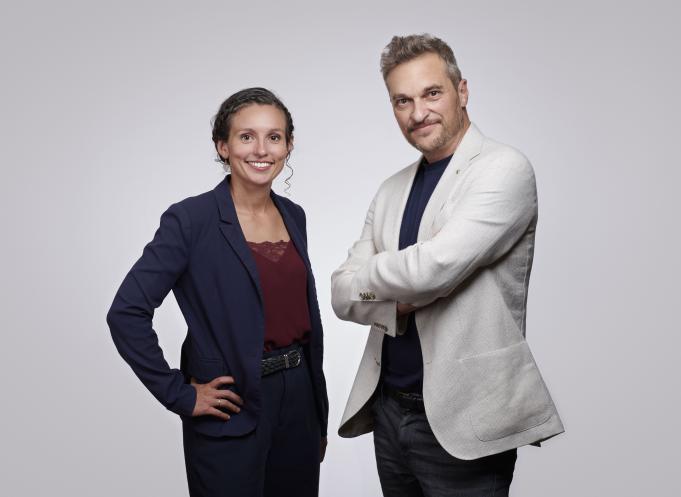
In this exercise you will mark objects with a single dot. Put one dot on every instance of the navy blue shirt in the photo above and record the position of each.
(402, 367)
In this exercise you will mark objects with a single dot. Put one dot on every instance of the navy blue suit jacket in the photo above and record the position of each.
(200, 253)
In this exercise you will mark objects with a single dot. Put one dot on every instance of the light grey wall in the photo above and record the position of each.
(105, 110)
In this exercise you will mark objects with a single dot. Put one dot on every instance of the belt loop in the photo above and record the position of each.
(286, 360)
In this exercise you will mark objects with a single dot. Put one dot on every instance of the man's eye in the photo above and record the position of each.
(434, 93)
(401, 101)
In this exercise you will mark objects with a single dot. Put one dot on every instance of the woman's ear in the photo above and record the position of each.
(223, 150)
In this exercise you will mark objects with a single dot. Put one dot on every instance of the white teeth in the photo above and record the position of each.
(260, 165)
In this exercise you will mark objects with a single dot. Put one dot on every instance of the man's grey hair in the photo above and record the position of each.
(405, 48)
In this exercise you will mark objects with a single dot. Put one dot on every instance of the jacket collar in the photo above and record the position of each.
(225, 202)
(231, 230)
(468, 149)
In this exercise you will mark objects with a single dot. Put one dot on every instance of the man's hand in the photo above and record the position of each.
(210, 399)
(403, 309)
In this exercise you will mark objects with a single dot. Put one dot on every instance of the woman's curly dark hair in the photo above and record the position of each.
(249, 96)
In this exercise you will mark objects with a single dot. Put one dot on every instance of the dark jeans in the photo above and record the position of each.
(411, 462)
(280, 458)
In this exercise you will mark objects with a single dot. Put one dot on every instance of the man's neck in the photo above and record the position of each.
(450, 148)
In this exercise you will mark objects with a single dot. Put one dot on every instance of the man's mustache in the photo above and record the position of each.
(422, 124)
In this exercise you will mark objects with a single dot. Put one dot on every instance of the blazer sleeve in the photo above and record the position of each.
(163, 260)
(346, 300)
(489, 217)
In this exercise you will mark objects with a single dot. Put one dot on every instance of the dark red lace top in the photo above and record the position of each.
(283, 279)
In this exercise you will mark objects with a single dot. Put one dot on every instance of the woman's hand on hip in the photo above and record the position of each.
(210, 399)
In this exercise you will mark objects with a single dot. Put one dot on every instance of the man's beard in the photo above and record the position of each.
(446, 135)
(438, 142)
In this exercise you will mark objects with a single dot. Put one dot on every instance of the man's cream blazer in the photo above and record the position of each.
(469, 270)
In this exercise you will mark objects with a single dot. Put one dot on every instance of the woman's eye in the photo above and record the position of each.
(275, 138)
(245, 137)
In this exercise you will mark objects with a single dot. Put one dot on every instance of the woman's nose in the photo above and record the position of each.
(261, 149)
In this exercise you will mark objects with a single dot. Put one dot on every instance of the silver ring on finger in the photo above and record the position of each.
(219, 402)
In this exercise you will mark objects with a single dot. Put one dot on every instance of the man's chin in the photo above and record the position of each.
(424, 147)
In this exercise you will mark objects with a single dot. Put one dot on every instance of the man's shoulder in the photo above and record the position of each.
(500, 154)
(398, 179)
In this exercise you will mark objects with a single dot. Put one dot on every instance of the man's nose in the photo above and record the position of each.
(419, 112)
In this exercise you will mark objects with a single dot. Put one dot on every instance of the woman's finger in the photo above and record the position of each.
(221, 380)
(229, 395)
(226, 404)
(218, 413)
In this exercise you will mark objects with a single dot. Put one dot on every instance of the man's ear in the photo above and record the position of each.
(463, 92)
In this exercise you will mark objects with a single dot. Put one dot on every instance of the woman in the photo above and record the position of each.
(250, 389)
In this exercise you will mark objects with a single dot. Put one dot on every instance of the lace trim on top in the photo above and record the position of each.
(272, 251)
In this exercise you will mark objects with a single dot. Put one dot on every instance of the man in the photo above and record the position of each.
(447, 381)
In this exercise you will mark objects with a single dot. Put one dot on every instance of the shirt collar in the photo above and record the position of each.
(439, 165)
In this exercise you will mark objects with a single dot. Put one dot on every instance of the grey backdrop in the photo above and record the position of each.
(105, 121)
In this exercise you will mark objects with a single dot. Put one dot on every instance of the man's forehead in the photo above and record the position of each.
(417, 75)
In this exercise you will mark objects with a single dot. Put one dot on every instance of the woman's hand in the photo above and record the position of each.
(210, 399)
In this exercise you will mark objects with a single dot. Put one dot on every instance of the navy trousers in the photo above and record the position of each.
(411, 462)
(280, 458)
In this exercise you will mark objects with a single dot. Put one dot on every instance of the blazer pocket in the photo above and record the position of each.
(205, 370)
(509, 395)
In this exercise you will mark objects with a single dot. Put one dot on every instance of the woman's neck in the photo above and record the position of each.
(251, 199)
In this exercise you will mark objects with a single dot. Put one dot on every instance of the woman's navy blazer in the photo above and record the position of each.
(200, 253)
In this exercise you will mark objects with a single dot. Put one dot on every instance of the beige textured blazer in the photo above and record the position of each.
(470, 268)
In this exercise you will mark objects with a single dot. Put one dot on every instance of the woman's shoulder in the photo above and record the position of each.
(197, 209)
(290, 205)
(200, 202)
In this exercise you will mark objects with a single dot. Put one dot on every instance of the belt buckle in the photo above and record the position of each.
(287, 362)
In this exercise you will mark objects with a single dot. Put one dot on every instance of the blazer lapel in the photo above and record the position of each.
(470, 146)
(393, 223)
(231, 230)
(293, 230)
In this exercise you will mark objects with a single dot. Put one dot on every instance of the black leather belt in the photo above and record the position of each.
(290, 359)
(406, 400)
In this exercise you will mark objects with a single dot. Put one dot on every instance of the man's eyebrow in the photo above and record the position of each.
(398, 96)
(433, 87)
